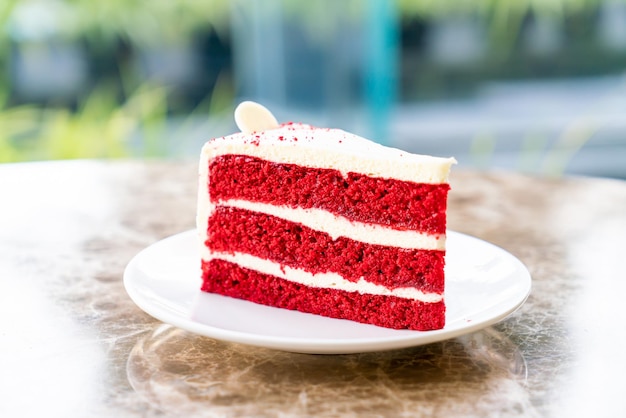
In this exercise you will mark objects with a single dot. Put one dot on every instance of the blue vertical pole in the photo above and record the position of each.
(381, 66)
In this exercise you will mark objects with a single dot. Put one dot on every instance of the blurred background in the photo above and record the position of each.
(526, 85)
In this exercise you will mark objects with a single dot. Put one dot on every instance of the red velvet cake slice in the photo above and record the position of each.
(325, 222)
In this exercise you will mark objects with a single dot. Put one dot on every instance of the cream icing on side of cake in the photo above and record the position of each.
(338, 226)
(319, 280)
(204, 204)
(334, 149)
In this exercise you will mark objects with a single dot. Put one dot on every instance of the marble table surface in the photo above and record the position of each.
(73, 344)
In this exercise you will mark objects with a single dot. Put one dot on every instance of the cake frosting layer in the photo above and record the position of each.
(398, 204)
(294, 245)
(337, 226)
(229, 279)
(319, 280)
(307, 146)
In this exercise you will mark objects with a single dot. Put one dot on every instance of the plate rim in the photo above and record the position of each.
(314, 345)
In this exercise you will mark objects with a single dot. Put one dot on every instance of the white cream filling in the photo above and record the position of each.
(331, 148)
(337, 226)
(320, 280)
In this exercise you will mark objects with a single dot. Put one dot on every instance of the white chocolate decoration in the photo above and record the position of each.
(252, 117)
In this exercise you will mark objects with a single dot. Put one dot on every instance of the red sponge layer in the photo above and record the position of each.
(294, 245)
(229, 279)
(394, 203)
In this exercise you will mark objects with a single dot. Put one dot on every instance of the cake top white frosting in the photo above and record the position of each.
(297, 143)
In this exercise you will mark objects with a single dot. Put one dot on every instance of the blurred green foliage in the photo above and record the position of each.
(505, 17)
(100, 127)
(107, 124)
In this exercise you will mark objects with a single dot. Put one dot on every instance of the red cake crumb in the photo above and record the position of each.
(228, 279)
(297, 246)
(393, 203)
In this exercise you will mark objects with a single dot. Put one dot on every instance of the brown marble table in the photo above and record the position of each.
(72, 343)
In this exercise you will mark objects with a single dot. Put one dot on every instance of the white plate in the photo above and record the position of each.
(484, 284)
